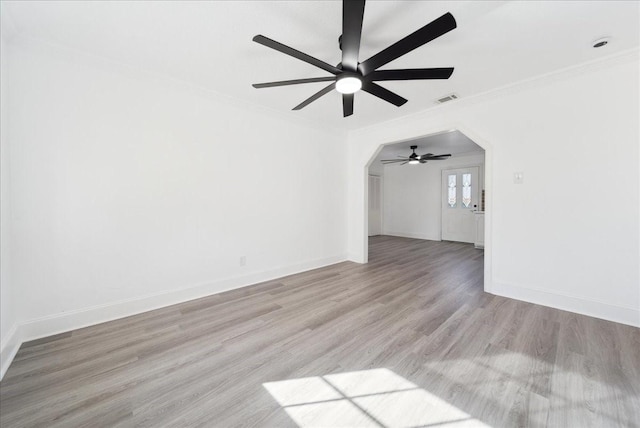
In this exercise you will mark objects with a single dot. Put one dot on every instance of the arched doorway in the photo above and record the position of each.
(486, 185)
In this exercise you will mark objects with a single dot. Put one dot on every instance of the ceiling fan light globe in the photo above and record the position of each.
(414, 162)
(348, 84)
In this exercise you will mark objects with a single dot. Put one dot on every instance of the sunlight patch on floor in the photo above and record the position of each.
(367, 398)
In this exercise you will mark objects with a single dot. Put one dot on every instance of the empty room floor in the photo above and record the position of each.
(409, 339)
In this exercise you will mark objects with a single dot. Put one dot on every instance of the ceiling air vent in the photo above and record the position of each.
(449, 97)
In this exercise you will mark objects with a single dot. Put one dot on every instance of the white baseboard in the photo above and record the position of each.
(412, 235)
(620, 314)
(352, 257)
(72, 320)
(9, 348)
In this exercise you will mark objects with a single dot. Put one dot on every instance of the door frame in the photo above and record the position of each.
(381, 197)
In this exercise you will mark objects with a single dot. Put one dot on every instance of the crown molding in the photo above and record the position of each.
(623, 57)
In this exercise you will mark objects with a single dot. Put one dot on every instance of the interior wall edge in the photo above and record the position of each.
(355, 258)
(9, 348)
(579, 305)
(85, 317)
(9, 342)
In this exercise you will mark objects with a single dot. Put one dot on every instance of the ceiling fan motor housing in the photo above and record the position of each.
(414, 155)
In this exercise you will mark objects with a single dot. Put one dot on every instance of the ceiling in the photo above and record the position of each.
(209, 44)
(453, 142)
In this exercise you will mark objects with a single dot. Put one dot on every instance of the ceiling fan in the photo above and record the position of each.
(350, 75)
(415, 159)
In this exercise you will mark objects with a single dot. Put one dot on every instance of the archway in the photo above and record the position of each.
(488, 185)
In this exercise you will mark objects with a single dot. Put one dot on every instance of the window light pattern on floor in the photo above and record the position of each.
(367, 398)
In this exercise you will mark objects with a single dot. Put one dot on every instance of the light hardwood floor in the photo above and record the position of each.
(408, 339)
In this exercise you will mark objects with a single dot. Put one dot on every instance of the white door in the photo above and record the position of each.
(375, 205)
(459, 202)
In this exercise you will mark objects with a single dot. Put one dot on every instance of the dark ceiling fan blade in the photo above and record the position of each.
(383, 93)
(394, 160)
(411, 74)
(315, 96)
(431, 31)
(404, 163)
(347, 104)
(293, 82)
(296, 54)
(435, 157)
(352, 15)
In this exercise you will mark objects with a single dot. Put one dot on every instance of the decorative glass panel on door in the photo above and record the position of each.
(466, 190)
(452, 190)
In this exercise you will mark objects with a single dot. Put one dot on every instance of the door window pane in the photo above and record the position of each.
(466, 190)
(452, 190)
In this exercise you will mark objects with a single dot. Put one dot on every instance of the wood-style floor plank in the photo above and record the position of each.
(416, 311)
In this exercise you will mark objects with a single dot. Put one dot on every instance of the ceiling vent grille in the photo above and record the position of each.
(449, 97)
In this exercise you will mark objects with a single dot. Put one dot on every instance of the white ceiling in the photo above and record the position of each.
(209, 44)
(453, 142)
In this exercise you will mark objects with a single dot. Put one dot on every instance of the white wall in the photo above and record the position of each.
(412, 216)
(8, 321)
(568, 237)
(376, 168)
(131, 191)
